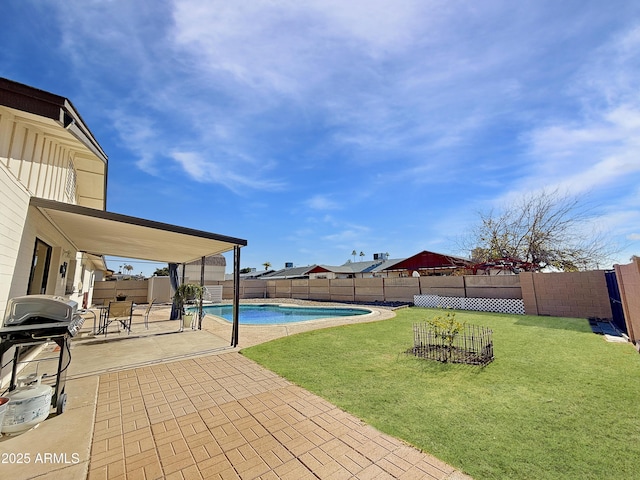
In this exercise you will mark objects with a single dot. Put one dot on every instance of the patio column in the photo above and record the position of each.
(236, 295)
(201, 294)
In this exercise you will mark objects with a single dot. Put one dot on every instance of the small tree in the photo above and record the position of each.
(266, 265)
(446, 327)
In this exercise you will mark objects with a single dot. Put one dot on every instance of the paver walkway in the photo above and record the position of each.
(224, 416)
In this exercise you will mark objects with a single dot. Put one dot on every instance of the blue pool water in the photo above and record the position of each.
(275, 314)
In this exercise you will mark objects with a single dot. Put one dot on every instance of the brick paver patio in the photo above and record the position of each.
(224, 417)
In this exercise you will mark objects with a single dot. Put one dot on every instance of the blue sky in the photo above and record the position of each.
(315, 128)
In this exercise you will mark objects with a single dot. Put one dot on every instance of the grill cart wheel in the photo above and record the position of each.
(61, 405)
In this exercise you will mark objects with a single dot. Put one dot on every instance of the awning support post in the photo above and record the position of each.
(201, 293)
(236, 296)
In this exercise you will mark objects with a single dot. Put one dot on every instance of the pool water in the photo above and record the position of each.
(275, 314)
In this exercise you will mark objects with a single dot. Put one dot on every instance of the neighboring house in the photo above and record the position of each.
(428, 263)
(53, 196)
(420, 264)
(288, 273)
(369, 269)
(250, 275)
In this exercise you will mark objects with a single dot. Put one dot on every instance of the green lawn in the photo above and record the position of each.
(558, 401)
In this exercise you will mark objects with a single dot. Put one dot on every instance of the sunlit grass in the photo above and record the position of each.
(557, 402)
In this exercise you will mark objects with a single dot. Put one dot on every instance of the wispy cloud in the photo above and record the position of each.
(206, 170)
(322, 202)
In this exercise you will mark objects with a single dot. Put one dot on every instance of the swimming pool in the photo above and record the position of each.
(270, 314)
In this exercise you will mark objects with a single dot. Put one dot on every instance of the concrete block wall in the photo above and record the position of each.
(492, 286)
(136, 290)
(628, 277)
(401, 289)
(443, 286)
(573, 294)
(300, 289)
(369, 289)
(566, 294)
(342, 290)
(283, 289)
(251, 289)
(319, 289)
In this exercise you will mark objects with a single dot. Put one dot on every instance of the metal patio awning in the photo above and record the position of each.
(100, 233)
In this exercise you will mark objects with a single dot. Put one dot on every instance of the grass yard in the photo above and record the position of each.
(557, 402)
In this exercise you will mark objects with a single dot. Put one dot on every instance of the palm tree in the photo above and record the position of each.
(354, 253)
(361, 256)
(128, 268)
(266, 265)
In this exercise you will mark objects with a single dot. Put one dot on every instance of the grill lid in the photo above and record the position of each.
(36, 309)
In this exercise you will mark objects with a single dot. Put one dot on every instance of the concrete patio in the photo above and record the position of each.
(157, 404)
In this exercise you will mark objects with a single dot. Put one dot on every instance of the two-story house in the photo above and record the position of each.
(55, 228)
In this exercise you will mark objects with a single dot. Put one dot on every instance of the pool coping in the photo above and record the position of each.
(250, 335)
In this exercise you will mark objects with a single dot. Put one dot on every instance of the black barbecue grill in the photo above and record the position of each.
(35, 319)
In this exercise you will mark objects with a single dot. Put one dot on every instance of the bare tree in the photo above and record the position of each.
(548, 229)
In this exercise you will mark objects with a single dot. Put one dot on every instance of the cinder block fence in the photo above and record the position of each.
(575, 294)
(567, 294)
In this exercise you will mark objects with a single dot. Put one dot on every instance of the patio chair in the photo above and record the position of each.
(121, 313)
(146, 314)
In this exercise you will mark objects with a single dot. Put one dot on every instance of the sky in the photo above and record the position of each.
(312, 129)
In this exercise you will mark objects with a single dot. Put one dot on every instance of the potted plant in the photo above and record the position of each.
(188, 293)
(121, 296)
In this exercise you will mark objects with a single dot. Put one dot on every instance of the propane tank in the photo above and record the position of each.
(29, 405)
(3, 409)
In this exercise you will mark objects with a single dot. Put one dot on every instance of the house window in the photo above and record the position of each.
(39, 268)
(70, 188)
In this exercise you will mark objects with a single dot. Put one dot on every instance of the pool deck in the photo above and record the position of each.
(161, 404)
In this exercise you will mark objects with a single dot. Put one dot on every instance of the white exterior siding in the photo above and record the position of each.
(39, 161)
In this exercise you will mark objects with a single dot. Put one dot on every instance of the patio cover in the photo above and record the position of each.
(99, 232)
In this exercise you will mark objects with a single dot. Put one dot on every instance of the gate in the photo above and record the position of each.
(616, 301)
